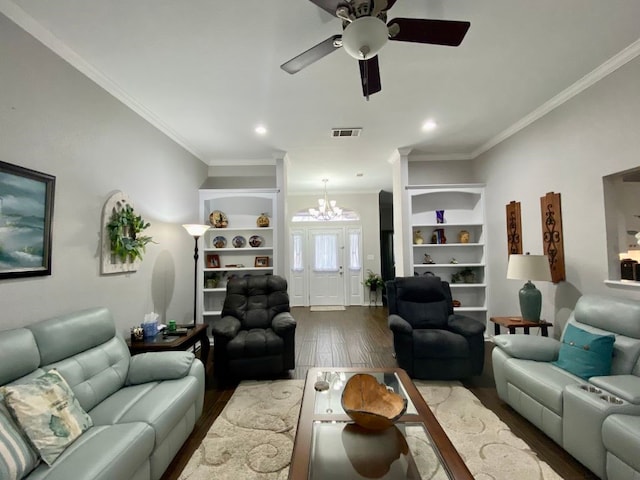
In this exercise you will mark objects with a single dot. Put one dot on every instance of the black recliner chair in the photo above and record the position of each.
(431, 342)
(255, 335)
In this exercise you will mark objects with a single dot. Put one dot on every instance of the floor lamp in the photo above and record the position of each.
(196, 231)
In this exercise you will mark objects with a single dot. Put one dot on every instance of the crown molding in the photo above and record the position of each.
(241, 162)
(431, 157)
(608, 67)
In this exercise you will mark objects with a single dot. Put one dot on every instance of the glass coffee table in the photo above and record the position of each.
(329, 445)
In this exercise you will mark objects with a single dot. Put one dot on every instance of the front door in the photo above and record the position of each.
(326, 277)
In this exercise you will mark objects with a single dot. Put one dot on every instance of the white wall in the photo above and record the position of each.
(568, 152)
(54, 120)
(440, 171)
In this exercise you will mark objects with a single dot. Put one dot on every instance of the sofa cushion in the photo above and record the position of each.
(17, 457)
(158, 404)
(256, 342)
(20, 346)
(435, 343)
(540, 380)
(48, 412)
(102, 453)
(585, 354)
(621, 436)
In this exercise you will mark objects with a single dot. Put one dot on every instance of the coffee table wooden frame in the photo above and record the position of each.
(299, 469)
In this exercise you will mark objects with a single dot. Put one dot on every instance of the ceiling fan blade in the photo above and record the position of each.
(330, 5)
(378, 6)
(314, 54)
(437, 32)
(370, 76)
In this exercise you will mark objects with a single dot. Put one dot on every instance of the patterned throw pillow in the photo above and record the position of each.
(48, 412)
(17, 457)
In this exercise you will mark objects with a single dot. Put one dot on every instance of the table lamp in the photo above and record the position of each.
(529, 267)
(196, 231)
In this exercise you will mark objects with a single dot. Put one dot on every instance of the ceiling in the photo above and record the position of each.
(206, 72)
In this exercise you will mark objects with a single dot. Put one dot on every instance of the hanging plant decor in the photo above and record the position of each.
(125, 228)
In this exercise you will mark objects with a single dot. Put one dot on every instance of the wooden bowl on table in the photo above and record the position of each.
(371, 404)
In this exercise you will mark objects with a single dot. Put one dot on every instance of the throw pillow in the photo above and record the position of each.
(585, 354)
(48, 412)
(17, 457)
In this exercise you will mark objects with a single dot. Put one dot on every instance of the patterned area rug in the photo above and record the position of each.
(253, 436)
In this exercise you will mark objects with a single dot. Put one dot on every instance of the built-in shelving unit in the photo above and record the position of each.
(219, 264)
(463, 207)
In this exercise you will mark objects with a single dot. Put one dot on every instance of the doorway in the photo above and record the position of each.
(325, 267)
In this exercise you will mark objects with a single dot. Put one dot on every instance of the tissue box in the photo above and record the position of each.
(150, 329)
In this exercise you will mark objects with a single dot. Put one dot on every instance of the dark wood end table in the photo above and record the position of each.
(161, 343)
(511, 323)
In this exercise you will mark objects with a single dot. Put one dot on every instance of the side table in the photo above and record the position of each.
(511, 323)
(161, 342)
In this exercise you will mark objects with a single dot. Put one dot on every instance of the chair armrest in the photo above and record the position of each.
(528, 347)
(283, 322)
(225, 327)
(397, 324)
(156, 366)
(465, 326)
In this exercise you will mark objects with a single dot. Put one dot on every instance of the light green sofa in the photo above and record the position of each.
(596, 421)
(143, 407)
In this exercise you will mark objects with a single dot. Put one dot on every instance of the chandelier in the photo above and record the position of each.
(327, 209)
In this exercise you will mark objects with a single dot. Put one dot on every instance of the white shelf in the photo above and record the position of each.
(449, 265)
(469, 309)
(220, 289)
(448, 245)
(239, 229)
(243, 250)
(210, 313)
(445, 225)
(467, 285)
(238, 269)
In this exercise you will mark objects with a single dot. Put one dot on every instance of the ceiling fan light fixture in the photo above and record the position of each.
(364, 37)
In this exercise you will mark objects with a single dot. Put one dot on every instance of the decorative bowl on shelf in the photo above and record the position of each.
(370, 404)
(256, 241)
(239, 241)
(218, 219)
(219, 242)
(263, 220)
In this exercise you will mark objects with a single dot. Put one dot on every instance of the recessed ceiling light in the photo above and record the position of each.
(261, 130)
(359, 174)
(429, 125)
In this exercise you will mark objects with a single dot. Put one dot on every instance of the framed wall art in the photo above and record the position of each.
(26, 217)
(514, 228)
(552, 238)
(213, 260)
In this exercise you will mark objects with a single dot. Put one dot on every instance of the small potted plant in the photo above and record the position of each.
(373, 281)
(466, 275)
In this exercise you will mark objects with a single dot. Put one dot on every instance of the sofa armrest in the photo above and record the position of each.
(283, 322)
(528, 347)
(227, 326)
(156, 366)
(465, 326)
(397, 324)
(626, 387)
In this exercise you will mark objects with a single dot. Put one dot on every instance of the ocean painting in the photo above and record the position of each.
(26, 206)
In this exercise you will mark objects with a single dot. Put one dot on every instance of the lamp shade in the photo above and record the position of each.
(529, 267)
(364, 37)
(195, 229)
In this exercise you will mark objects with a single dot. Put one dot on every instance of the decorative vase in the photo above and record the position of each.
(439, 216)
(463, 236)
(263, 220)
(417, 238)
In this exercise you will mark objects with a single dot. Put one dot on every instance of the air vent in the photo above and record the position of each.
(346, 132)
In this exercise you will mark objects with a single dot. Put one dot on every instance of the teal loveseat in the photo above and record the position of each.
(595, 418)
(142, 408)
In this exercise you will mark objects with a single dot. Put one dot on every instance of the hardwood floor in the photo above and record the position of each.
(359, 337)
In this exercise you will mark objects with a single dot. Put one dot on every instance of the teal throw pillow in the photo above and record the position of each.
(585, 354)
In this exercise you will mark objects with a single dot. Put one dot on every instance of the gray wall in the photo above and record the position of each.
(567, 151)
(55, 120)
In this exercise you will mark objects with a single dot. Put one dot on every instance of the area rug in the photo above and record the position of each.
(253, 436)
(326, 308)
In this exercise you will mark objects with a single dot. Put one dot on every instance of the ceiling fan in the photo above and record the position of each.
(365, 32)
